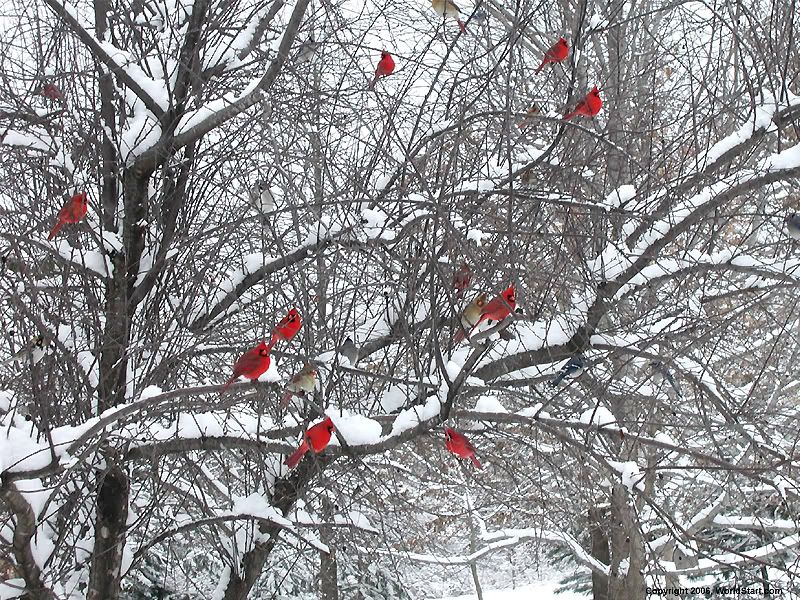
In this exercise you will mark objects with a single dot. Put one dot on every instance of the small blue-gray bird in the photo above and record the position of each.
(261, 197)
(350, 351)
(571, 369)
(793, 225)
(308, 49)
(661, 372)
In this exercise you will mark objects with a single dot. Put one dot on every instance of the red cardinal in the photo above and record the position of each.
(51, 92)
(461, 279)
(498, 309)
(252, 364)
(459, 445)
(287, 328)
(588, 107)
(318, 436)
(557, 53)
(72, 212)
(385, 67)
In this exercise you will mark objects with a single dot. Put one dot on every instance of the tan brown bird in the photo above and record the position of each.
(472, 313)
(302, 383)
(448, 8)
(534, 110)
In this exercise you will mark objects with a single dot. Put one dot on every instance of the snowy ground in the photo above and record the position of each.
(540, 590)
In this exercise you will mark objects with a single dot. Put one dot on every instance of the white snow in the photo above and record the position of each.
(599, 416)
(150, 391)
(141, 132)
(540, 590)
(489, 404)
(761, 119)
(357, 430)
(27, 140)
(375, 224)
(411, 417)
(394, 397)
(620, 196)
(476, 235)
(630, 473)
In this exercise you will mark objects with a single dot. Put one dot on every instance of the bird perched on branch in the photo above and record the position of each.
(261, 197)
(472, 312)
(385, 67)
(287, 328)
(307, 50)
(349, 350)
(302, 383)
(555, 54)
(792, 221)
(72, 212)
(662, 372)
(571, 369)
(52, 92)
(533, 110)
(252, 364)
(496, 310)
(588, 107)
(458, 445)
(37, 346)
(461, 279)
(317, 437)
(448, 8)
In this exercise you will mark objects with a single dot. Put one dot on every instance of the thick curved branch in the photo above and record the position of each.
(24, 530)
(294, 257)
(97, 50)
(242, 104)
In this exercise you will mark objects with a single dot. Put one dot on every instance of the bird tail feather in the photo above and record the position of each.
(461, 26)
(56, 228)
(475, 462)
(227, 384)
(294, 458)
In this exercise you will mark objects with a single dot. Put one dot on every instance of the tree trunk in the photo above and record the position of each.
(109, 531)
(600, 551)
(626, 582)
(328, 567)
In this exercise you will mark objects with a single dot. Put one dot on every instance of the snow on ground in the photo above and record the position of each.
(539, 590)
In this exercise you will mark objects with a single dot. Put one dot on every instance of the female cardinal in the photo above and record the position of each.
(287, 328)
(51, 92)
(556, 54)
(532, 111)
(448, 8)
(301, 384)
(498, 309)
(588, 107)
(318, 436)
(252, 364)
(471, 315)
(72, 212)
(459, 445)
(385, 67)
